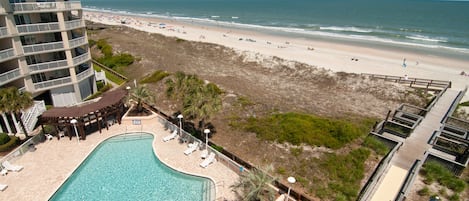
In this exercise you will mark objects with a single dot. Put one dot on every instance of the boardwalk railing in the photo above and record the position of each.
(368, 189)
(409, 180)
(110, 70)
(413, 82)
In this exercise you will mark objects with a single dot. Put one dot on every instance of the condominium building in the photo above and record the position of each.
(44, 50)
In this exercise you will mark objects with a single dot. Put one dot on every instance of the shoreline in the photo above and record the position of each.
(331, 54)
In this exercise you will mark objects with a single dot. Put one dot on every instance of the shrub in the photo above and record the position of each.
(296, 151)
(155, 77)
(376, 145)
(435, 172)
(454, 197)
(99, 85)
(218, 148)
(10, 144)
(91, 42)
(4, 138)
(425, 191)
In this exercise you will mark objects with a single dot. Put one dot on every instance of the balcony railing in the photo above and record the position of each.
(45, 6)
(10, 75)
(6, 54)
(77, 42)
(43, 47)
(47, 65)
(85, 74)
(3, 31)
(79, 59)
(52, 83)
(38, 27)
(73, 24)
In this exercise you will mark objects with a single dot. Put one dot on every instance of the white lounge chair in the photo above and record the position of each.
(10, 167)
(3, 187)
(192, 148)
(170, 137)
(210, 159)
(48, 136)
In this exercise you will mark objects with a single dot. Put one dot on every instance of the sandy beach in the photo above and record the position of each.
(333, 56)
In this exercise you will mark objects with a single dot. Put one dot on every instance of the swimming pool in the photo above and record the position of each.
(125, 168)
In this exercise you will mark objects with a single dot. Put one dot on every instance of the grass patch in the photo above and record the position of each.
(376, 145)
(109, 59)
(297, 128)
(464, 104)
(344, 173)
(154, 77)
(111, 77)
(101, 91)
(433, 171)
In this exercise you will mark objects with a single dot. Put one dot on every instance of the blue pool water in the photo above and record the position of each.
(128, 169)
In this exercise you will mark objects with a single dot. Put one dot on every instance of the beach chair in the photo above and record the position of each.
(210, 159)
(170, 137)
(3, 187)
(10, 167)
(48, 136)
(192, 148)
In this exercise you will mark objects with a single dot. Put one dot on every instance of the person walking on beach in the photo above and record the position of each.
(404, 64)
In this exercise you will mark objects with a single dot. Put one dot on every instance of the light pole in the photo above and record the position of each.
(290, 180)
(180, 123)
(206, 131)
(74, 122)
(128, 95)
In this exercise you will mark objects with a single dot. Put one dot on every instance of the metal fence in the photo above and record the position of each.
(23, 148)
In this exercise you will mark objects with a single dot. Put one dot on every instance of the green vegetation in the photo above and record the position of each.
(376, 145)
(142, 94)
(397, 128)
(101, 91)
(218, 148)
(13, 101)
(297, 128)
(425, 191)
(109, 76)
(7, 142)
(464, 104)
(109, 59)
(155, 77)
(344, 175)
(433, 171)
(254, 185)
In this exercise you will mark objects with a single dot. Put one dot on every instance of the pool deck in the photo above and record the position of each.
(53, 161)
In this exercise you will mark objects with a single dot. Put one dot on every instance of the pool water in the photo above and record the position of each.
(127, 169)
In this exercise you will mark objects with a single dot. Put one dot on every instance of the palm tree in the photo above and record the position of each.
(142, 94)
(13, 101)
(3, 108)
(203, 103)
(255, 185)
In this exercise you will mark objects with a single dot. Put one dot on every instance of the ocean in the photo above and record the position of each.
(432, 25)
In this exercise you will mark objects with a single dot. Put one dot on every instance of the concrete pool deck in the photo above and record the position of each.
(54, 161)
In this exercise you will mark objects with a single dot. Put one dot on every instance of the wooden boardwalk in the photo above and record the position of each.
(414, 147)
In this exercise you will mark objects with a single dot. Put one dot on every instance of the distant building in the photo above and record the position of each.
(44, 50)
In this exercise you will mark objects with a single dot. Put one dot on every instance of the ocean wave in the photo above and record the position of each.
(427, 39)
(339, 32)
(348, 29)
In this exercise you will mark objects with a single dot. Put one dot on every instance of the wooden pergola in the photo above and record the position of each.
(110, 104)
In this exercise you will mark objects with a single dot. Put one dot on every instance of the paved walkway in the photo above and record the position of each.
(53, 161)
(413, 148)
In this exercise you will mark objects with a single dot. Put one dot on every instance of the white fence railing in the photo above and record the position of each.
(47, 65)
(77, 42)
(29, 116)
(10, 75)
(73, 24)
(43, 47)
(45, 6)
(39, 27)
(85, 74)
(3, 31)
(5, 54)
(51, 83)
(79, 59)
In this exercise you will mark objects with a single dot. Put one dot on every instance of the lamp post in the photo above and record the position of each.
(74, 122)
(206, 131)
(180, 123)
(290, 180)
(128, 95)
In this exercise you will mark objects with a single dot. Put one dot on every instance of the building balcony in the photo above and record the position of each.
(73, 24)
(77, 42)
(84, 74)
(82, 58)
(53, 65)
(44, 47)
(38, 27)
(52, 83)
(29, 7)
(3, 32)
(7, 54)
(9, 76)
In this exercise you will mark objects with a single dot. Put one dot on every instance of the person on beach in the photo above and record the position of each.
(404, 64)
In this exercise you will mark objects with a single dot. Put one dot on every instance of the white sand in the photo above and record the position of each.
(333, 56)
